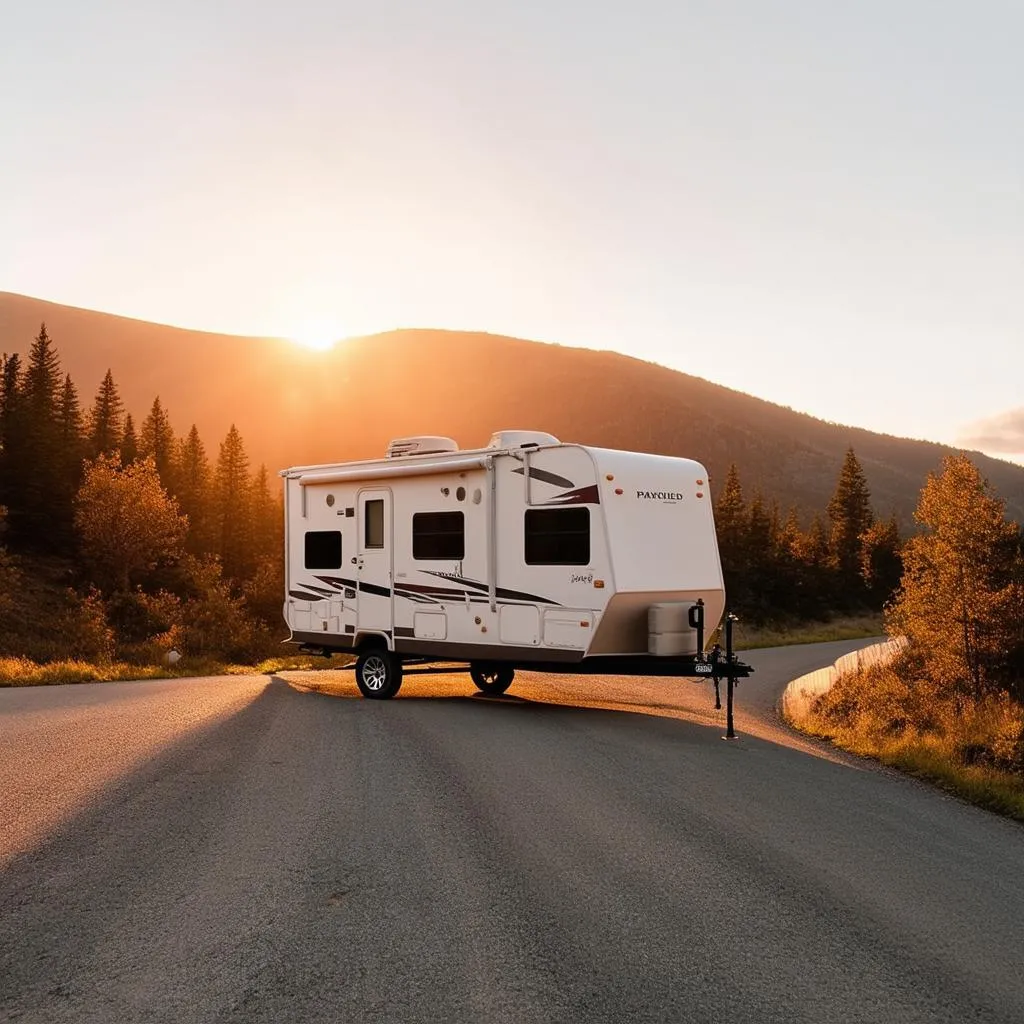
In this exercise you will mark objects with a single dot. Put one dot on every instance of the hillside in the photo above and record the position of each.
(296, 406)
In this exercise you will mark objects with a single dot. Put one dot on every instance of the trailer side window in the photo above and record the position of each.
(323, 549)
(557, 536)
(373, 512)
(438, 535)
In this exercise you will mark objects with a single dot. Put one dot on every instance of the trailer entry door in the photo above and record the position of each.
(374, 562)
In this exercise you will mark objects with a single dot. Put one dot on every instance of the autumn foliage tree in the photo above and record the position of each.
(961, 601)
(127, 522)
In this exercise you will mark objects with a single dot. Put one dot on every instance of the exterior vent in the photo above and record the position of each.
(403, 446)
(520, 439)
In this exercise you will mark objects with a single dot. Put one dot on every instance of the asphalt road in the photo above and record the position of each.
(278, 849)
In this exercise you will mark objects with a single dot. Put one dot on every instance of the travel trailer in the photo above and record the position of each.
(528, 553)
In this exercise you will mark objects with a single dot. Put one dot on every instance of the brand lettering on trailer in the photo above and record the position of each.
(660, 495)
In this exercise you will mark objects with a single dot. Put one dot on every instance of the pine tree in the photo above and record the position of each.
(105, 420)
(42, 377)
(788, 539)
(11, 429)
(760, 599)
(731, 521)
(69, 418)
(10, 383)
(731, 513)
(267, 517)
(264, 587)
(232, 504)
(850, 515)
(72, 442)
(129, 442)
(962, 592)
(759, 529)
(193, 490)
(37, 515)
(157, 440)
(731, 525)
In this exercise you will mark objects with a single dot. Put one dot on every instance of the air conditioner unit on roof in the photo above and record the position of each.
(520, 439)
(403, 446)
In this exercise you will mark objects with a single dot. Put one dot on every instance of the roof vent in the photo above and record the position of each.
(403, 446)
(520, 439)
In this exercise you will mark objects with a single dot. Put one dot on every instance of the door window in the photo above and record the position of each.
(374, 523)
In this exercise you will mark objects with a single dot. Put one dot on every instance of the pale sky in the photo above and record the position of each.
(820, 204)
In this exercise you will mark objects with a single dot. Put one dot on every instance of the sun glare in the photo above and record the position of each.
(318, 338)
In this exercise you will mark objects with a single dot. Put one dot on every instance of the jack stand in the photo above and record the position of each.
(716, 660)
(730, 657)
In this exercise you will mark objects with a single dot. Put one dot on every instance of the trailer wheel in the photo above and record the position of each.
(491, 678)
(378, 673)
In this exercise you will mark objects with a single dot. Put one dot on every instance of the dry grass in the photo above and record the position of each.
(25, 672)
(973, 748)
(297, 662)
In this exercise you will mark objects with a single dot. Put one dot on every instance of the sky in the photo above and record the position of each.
(818, 204)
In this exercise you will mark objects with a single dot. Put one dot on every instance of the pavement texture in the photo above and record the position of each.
(582, 849)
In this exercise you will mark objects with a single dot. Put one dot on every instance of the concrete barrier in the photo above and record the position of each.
(801, 693)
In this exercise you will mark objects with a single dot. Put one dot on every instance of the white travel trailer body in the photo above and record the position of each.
(528, 552)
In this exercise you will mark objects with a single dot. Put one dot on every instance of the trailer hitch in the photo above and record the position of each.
(722, 666)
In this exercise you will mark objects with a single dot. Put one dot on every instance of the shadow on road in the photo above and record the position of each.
(681, 702)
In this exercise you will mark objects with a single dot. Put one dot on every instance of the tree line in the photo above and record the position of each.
(846, 560)
(151, 526)
(154, 530)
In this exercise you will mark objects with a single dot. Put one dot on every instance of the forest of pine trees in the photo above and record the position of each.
(146, 540)
(776, 571)
(153, 541)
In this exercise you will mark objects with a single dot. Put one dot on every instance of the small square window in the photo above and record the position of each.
(557, 536)
(439, 535)
(323, 549)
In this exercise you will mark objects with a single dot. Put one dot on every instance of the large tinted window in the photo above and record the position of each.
(438, 535)
(557, 536)
(374, 513)
(323, 549)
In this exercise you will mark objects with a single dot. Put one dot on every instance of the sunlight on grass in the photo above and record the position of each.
(25, 672)
(973, 748)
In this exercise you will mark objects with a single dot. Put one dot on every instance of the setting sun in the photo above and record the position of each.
(318, 337)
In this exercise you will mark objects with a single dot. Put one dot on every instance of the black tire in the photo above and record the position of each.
(491, 678)
(378, 673)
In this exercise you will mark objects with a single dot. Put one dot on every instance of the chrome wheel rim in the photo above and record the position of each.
(375, 673)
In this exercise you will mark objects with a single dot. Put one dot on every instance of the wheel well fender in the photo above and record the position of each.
(369, 641)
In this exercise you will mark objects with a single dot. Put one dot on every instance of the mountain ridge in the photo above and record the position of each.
(296, 406)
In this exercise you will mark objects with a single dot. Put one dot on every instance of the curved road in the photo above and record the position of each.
(276, 849)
